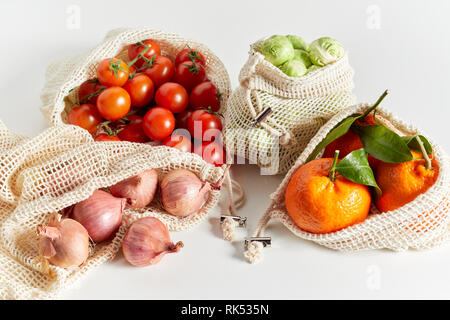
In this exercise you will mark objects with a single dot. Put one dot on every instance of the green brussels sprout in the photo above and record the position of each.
(298, 42)
(313, 68)
(277, 50)
(325, 50)
(294, 68)
(304, 56)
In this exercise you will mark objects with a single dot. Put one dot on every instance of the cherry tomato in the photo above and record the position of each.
(179, 142)
(211, 152)
(158, 123)
(200, 121)
(172, 96)
(141, 90)
(189, 54)
(112, 72)
(189, 74)
(133, 131)
(89, 91)
(105, 137)
(85, 116)
(135, 49)
(160, 70)
(182, 118)
(205, 95)
(113, 103)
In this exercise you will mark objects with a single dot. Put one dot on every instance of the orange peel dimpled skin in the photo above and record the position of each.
(320, 204)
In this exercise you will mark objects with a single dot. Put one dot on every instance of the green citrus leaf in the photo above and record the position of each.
(383, 144)
(355, 167)
(412, 143)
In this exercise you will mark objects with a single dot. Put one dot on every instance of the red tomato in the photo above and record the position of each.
(135, 49)
(105, 137)
(141, 90)
(182, 118)
(172, 96)
(85, 116)
(112, 72)
(201, 121)
(89, 91)
(179, 142)
(211, 152)
(189, 74)
(133, 131)
(189, 54)
(113, 103)
(160, 70)
(205, 95)
(158, 123)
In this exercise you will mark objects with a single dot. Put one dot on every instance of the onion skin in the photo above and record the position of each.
(100, 214)
(64, 243)
(147, 241)
(182, 192)
(139, 190)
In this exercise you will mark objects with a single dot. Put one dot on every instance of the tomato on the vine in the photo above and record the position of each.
(182, 118)
(205, 95)
(211, 152)
(135, 49)
(189, 74)
(172, 96)
(189, 54)
(133, 130)
(112, 72)
(179, 142)
(106, 137)
(141, 89)
(89, 91)
(160, 69)
(200, 121)
(85, 116)
(113, 103)
(158, 123)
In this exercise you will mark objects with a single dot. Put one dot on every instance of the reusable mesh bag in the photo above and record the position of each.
(60, 92)
(300, 106)
(63, 166)
(421, 224)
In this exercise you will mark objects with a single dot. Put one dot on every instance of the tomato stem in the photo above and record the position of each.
(424, 153)
(332, 170)
(140, 55)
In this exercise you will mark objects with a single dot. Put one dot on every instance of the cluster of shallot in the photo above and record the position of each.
(64, 241)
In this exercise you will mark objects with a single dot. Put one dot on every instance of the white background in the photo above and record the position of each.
(408, 53)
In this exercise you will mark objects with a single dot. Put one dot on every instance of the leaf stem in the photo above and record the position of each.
(424, 153)
(385, 93)
(332, 170)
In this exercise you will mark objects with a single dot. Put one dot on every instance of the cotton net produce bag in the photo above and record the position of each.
(63, 166)
(300, 106)
(420, 224)
(60, 92)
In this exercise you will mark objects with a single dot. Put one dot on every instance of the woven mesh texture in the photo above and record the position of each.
(58, 168)
(421, 224)
(60, 92)
(300, 107)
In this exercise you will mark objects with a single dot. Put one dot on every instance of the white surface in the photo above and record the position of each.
(408, 54)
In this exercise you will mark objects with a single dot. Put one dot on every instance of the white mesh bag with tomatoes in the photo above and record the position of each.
(337, 204)
(274, 112)
(100, 187)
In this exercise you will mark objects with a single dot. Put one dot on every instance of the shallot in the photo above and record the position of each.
(182, 192)
(147, 241)
(100, 214)
(63, 243)
(139, 190)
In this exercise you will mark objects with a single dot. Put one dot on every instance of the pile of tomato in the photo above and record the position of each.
(152, 98)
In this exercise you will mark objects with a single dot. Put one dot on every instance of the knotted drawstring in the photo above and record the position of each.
(254, 248)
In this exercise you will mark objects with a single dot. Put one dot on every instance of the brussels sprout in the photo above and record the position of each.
(303, 56)
(313, 68)
(294, 68)
(277, 50)
(298, 42)
(324, 51)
